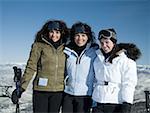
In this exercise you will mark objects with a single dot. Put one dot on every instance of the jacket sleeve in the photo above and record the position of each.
(129, 81)
(31, 66)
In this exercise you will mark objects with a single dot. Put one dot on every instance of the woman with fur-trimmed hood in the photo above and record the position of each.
(115, 73)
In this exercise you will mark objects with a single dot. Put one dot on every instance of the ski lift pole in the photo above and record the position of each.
(147, 97)
(17, 80)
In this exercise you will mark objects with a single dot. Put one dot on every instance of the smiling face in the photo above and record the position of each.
(80, 39)
(106, 45)
(54, 35)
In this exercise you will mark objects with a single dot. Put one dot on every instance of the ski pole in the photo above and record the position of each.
(147, 93)
(17, 108)
(17, 80)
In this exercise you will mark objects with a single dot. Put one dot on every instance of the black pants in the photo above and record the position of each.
(76, 104)
(107, 108)
(47, 102)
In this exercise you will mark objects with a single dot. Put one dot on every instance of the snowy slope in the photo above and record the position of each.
(7, 74)
(143, 82)
(6, 78)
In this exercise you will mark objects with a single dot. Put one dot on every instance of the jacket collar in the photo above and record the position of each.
(102, 58)
(51, 44)
(68, 50)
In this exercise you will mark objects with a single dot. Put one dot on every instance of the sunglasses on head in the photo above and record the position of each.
(54, 26)
(80, 29)
(106, 34)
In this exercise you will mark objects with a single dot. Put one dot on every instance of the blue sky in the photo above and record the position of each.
(21, 19)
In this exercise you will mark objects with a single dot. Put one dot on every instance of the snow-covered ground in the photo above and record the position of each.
(143, 83)
(7, 74)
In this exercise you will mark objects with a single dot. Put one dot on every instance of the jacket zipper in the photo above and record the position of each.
(77, 63)
(56, 59)
(56, 68)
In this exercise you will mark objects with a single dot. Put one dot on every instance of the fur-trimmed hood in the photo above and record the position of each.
(130, 49)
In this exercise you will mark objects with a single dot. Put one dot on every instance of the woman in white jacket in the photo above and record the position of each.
(79, 70)
(115, 73)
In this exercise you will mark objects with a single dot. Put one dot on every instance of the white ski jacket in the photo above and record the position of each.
(116, 81)
(80, 72)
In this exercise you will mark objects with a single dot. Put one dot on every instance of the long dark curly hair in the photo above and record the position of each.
(43, 33)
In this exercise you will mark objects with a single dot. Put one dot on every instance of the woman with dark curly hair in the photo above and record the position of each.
(47, 59)
(80, 54)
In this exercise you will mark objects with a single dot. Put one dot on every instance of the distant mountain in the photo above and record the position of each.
(143, 69)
